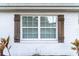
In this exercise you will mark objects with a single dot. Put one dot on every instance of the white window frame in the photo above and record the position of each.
(39, 38)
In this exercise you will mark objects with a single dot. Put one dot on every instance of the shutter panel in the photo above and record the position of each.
(61, 28)
(17, 28)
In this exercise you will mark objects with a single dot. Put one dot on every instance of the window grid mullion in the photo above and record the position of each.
(38, 27)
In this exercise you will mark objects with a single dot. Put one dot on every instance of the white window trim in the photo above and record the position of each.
(38, 39)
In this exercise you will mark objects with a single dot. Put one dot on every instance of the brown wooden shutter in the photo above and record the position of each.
(61, 28)
(17, 28)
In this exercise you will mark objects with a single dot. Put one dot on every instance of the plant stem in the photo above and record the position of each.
(8, 51)
(1, 53)
(78, 53)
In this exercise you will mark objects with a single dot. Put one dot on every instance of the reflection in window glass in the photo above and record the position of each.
(48, 32)
(30, 33)
(48, 27)
(29, 21)
(48, 21)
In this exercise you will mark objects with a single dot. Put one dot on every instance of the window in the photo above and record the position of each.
(38, 27)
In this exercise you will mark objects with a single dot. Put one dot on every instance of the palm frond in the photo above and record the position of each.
(75, 43)
(7, 41)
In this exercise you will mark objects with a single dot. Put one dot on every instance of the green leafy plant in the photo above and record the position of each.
(76, 46)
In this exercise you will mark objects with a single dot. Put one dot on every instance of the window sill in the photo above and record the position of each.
(39, 41)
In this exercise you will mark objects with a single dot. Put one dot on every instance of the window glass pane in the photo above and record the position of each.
(30, 32)
(48, 21)
(30, 35)
(29, 18)
(30, 21)
(24, 21)
(48, 35)
(48, 32)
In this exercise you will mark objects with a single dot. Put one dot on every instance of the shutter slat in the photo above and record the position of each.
(60, 28)
(17, 28)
